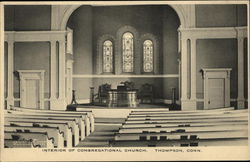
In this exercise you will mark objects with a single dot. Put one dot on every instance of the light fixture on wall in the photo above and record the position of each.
(16, 74)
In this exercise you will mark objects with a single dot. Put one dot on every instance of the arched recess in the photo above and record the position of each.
(184, 13)
(99, 59)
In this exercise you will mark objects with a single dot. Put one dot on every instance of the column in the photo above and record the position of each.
(53, 69)
(62, 70)
(59, 103)
(10, 97)
(240, 99)
(53, 74)
(188, 103)
(183, 69)
(179, 79)
(69, 81)
(193, 69)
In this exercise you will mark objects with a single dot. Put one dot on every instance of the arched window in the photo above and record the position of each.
(148, 56)
(107, 56)
(127, 52)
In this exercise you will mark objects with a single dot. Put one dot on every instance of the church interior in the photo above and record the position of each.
(120, 75)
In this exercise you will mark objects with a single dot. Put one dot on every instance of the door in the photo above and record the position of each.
(32, 88)
(216, 93)
(32, 93)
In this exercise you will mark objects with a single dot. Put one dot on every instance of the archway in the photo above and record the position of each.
(180, 10)
(79, 21)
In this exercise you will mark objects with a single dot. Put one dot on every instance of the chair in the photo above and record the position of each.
(147, 93)
(103, 92)
(127, 85)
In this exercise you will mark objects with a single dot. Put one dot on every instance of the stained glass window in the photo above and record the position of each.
(108, 56)
(127, 52)
(148, 56)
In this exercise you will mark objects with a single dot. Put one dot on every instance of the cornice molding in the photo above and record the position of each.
(213, 32)
(34, 36)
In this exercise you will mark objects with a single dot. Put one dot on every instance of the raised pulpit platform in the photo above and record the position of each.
(122, 98)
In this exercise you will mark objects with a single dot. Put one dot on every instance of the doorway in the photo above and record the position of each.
(31, 91)
(216, 93)
(31, 88)
(216, 88)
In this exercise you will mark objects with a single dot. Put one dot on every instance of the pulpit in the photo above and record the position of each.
(124, 96)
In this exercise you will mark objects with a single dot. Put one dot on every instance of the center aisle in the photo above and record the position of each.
(105, 129)
(107, 123)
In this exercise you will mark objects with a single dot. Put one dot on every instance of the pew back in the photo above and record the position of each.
(63, 127)
(39, 139)
(53, 132)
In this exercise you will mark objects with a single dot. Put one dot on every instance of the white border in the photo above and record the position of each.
(208, 153)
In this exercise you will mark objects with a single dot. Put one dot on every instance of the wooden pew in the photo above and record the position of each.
(53, 132)
(205, 114)
(182, 143)
(180, 123)
(186, 120)
(71, 122)
(184, 128)
(63, 127)
(196, 112)
(89, 114)
(39, 139)
(187, 117)
(11, 143)
(187, 111)
(159, 128)
(240, 133)
(79, 118)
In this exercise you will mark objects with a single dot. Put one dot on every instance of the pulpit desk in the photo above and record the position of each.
(122, 98)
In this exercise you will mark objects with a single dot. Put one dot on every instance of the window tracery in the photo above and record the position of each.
(107, 56)
(148, 55)
(127, 52)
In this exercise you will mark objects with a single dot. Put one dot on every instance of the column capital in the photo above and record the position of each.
(62, 41)
(240, 38)
(52, 42)
(228, 73)
(193, 39)
(10, 43)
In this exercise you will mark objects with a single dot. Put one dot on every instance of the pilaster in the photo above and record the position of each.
(193, 69)
(183, 69)
(53, 67)
(240, 99)
(62, 63)
(10, 97)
